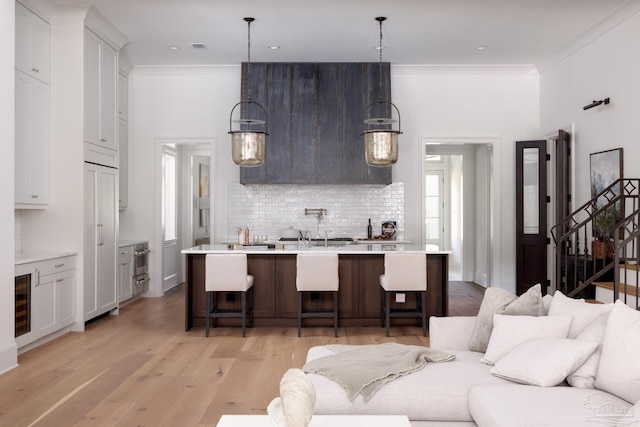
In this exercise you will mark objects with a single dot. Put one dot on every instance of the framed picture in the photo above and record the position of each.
(606, 168)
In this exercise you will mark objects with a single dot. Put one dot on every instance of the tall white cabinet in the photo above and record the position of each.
(101, 222)
(31, 110)
(101, 65)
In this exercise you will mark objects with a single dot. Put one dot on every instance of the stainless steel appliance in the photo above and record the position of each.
(141, 268)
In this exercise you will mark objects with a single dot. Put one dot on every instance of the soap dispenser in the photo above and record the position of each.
(369, 230)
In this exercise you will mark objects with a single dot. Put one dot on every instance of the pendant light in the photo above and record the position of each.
(380, 139)
(247, 144)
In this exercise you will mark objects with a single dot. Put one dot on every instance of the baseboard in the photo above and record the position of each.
(8, 357)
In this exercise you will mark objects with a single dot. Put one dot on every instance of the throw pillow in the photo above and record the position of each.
(509, 331)
(544, 362)
(585, 375)
(501, 301)
(583, 312)
(619, 370)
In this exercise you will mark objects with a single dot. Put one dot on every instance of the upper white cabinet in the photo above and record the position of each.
(100, 73)
(32, 44)
(31, 142)
(123, 96)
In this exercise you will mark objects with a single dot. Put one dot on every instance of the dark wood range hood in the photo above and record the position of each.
(314, 117)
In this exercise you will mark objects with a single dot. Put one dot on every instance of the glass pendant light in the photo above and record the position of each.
(380, 139)
(247, 144)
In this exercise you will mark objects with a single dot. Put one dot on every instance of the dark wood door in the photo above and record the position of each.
(531, 215)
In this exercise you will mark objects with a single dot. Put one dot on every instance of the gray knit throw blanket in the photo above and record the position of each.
(363, 369)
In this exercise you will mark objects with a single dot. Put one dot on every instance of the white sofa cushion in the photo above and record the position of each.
(438, 392)
(619, 370)
(583, 312)
(509, 331)
(529, 406)
(501, 301)
(585, 375)
(543, 362)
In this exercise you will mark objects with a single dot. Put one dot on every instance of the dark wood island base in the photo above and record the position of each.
(275, 295)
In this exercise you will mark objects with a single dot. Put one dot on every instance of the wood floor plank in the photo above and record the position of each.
(141, 368)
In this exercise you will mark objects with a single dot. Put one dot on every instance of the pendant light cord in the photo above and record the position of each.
(380, 54)
(249, 20)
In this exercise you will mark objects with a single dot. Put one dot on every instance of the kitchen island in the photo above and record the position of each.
(275, 298)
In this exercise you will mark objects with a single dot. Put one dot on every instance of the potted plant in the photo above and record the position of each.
(601, 247)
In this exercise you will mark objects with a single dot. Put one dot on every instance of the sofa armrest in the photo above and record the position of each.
(451, 333)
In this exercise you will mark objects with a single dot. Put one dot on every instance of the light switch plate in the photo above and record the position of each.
(400, 297)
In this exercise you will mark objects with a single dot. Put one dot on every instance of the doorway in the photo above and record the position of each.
(183, 215)
(458, 196)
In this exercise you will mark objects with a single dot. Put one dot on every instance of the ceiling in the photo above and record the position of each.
(425, 32)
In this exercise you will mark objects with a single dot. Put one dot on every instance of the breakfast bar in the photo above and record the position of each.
(274, 271)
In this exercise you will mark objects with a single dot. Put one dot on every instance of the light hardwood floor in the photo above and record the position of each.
(142, 369)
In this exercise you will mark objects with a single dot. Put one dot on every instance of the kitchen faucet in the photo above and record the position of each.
(319, 213)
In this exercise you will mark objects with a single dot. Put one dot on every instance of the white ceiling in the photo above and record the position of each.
(516, 32)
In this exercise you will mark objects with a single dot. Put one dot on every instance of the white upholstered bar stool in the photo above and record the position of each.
(404, 272)
(228, 273)
(317, 273)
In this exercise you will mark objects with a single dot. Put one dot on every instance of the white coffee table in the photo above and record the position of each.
(320, 421)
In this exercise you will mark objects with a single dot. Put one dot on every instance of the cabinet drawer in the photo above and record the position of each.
(56, 265)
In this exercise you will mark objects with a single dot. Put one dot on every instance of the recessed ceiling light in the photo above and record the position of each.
(481, 47)
(273, 47)
(173, 47)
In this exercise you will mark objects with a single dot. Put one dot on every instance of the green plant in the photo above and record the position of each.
(603, 222)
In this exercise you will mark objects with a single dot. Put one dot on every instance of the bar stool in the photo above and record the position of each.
(228, 273)
(317, 273)
(404, 272)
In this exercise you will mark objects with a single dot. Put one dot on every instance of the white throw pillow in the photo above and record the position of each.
(544, 362)
(585, 375)
(509, 331)
(619, 370)
(583, 312)
(501, 301)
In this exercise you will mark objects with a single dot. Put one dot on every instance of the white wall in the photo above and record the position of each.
(195, 102)
(607, 67)
(8, 348)
(498, 103)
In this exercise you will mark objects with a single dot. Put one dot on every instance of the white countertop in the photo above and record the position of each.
(320, 421)
(370, 249)
(130, 242)
(26, 257)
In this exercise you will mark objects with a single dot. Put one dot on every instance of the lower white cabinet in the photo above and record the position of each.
(53, 287)
(125, 273)
(100, 220)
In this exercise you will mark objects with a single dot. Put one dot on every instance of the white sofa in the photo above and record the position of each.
(463, 391)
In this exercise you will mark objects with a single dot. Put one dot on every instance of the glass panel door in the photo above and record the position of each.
(23, 304)
(434, 208)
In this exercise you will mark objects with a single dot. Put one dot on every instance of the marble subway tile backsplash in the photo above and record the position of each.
(267, 209)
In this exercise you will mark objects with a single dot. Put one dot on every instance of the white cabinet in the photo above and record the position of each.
(31, 142)
(123, 96)
(52, 296)
(123, 130)
(125, 273)
(100, 236)
(100, 68)
(32, 44)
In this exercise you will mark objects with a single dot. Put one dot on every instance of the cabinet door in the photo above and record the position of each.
(123, 152)
(108, 96)
(65, 299)
(32, 44)
(125, 274)
(31, 141)
(100, 293)
(91, 88)
(44, 305)
(123, 96)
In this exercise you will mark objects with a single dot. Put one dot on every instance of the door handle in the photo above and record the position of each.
(100, 235)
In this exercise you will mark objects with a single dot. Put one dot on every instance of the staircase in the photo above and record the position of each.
(597, 252)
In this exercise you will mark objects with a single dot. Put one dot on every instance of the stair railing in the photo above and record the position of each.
(611, 219)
